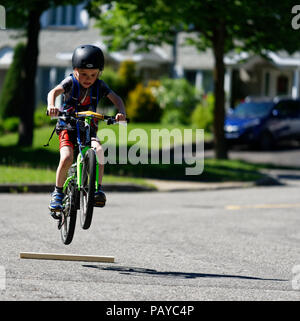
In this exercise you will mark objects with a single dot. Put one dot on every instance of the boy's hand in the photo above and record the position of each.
(53, 111)
(120, 117)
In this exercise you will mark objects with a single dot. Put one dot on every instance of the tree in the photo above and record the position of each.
(12, 95)
(25, 15)
(225, 25)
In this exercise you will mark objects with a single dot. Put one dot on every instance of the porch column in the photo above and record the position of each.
(179, 72)
(199, 81)
(52, 83)
(295, 88)
(227, 86)
(52, 77)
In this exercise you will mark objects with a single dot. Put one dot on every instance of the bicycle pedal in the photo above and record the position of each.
(56, 215)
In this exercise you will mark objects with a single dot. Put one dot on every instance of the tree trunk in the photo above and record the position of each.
(30, 67)
(220, 147)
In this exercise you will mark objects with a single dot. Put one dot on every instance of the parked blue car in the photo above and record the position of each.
(263, 123)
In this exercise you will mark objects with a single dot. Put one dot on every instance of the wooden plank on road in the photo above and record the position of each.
(66, 257)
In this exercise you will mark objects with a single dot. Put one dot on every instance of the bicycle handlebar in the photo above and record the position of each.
(84, 114)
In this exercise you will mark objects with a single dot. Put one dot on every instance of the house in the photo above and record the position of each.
(275, 74)
(66, 27)
(62, 30)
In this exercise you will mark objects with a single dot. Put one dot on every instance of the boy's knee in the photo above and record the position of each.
(99, 149)
(66, 160)
(97, 146)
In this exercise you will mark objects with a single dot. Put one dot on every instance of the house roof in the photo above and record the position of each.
(56, 47)
(190, 58)
(279, 59)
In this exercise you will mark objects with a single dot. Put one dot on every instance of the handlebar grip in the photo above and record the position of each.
(111, 120)
(59, 113)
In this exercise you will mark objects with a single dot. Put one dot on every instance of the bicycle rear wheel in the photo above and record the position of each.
(87, 191)
(68, 218)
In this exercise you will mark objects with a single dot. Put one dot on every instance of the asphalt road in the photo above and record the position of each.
(239, 244)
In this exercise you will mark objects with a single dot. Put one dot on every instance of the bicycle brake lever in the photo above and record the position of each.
(110, 121)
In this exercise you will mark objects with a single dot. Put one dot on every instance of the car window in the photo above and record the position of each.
(253, 109)
(288, 108)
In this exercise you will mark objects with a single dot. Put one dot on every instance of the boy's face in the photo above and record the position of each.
(86, 77)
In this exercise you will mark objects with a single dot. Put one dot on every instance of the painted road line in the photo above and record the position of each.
(262, 206)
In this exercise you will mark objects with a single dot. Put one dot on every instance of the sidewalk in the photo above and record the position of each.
(174, 186)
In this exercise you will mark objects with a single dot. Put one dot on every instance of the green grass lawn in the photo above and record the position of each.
(20, 175)
(111, 133)
(27, 175)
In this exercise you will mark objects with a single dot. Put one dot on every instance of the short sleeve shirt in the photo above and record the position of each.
(84, 93)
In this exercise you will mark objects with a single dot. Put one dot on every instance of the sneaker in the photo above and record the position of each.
(56, 202)
(100, 198)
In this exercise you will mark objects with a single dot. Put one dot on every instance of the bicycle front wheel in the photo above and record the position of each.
(87, 190)
(68, 218)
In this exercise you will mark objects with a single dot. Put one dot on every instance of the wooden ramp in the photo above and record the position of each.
(66, 257)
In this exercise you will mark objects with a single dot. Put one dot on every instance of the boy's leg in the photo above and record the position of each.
(66, 160)
(100, 197)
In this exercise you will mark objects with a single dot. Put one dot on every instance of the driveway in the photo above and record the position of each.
(286, 154)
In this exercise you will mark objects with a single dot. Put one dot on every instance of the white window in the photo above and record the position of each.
(65, 16)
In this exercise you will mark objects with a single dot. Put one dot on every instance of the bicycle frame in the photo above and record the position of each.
(79, 165)
(88, 116)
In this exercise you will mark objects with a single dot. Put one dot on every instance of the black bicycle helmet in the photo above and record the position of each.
(88, 57)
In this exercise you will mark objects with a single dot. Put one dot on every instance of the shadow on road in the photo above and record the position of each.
(284, 145)
(291, 177)
(185, 275)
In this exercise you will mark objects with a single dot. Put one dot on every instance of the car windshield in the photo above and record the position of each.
(256, 109)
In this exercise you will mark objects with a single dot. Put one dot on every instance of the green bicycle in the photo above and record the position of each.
(82, 181)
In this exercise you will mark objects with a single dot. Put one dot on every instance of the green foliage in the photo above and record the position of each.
(12, 95)
(128, 21)
(121, 82)
(177, 98)
(141, 105)
(127, 78)
(111, 77)
(202, 116)
(10, 125)
(40, 117)
(172, 116)
(127, 74)
(136, 21)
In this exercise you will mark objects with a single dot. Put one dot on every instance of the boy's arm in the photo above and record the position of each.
(118, 102)
(55, 92)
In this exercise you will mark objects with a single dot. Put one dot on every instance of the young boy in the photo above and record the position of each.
(81, 91)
